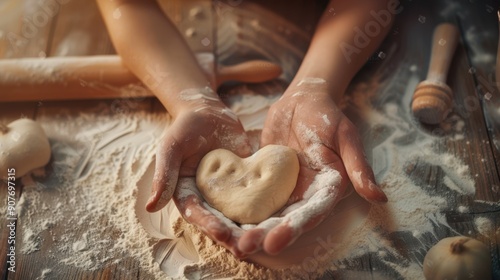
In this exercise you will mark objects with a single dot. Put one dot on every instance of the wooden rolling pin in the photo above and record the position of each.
(432, 99)
(95, 77)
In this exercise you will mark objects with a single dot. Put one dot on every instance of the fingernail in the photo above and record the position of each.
(151, 206)
(380, 195)
(250, 247)
(237, 253)
(152, 197)
(162, 202)
(383, 198)
(219, 232)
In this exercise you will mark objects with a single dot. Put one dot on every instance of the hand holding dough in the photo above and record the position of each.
(23, 146)
(248, 190)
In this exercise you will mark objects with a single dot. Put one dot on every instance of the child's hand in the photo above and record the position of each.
(203, 124)
(308, 120)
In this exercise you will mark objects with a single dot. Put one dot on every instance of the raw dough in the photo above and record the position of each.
(248, 190)
(23, 146)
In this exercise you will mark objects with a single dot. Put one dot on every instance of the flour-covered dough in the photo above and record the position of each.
(24, 147)
(248, 190)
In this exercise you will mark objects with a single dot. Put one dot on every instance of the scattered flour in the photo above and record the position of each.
(320, 195)
(31, 241)
(465, 189)
(326, 120)
(411, 207)
(252, 108)
(96, 193)
(198, 94)
(45, 274)
(463, 209)
(117, 14)
(484, 226)
(311, 81)
(98, 160)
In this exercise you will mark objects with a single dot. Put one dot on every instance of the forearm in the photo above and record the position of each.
(153, 49)
(346, 36)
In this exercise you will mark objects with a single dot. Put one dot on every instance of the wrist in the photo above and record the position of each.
(192, 99)
(316, 86)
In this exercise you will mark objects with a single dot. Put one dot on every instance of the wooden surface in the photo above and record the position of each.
(76, 29)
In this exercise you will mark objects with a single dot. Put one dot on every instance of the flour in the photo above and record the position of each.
(311, 81)
(411, 208)
(96, 193)
(474, 37)
(320, 195)
(76, 43)
(101, 190)
(45, 274)
(198, 94)
(102, 164)
(31, 242)
(251, 108)
(117, 14)
(484, 226)
(95, 178)
(463, 209)
(80, 245)
(326, 120)
(230, 114)
(454, 186)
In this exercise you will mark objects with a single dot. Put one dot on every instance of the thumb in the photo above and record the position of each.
(240, 143)
(168, 161)
(359, 171)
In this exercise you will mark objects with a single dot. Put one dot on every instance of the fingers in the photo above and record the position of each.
(217, 227)
(168, 161)
(242, 147)
(194, 212)
(251, 241)
(285, 234)
(279, 238)
(359, 171)
(303, 218)
(272, 235)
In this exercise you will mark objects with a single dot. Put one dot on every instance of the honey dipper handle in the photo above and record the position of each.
(444, 43)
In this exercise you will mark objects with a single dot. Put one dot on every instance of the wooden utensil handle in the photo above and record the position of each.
(444, 43)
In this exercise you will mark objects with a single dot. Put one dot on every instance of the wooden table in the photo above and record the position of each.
(477, 102)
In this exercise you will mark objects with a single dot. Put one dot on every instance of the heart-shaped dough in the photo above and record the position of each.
(248, 190)
(23, 146)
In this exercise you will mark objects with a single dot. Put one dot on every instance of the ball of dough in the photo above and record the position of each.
(248, 190)
(23, 146)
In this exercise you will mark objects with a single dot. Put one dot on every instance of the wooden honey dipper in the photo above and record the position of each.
(432, 99)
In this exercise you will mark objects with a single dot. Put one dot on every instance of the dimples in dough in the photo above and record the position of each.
(248, 190)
